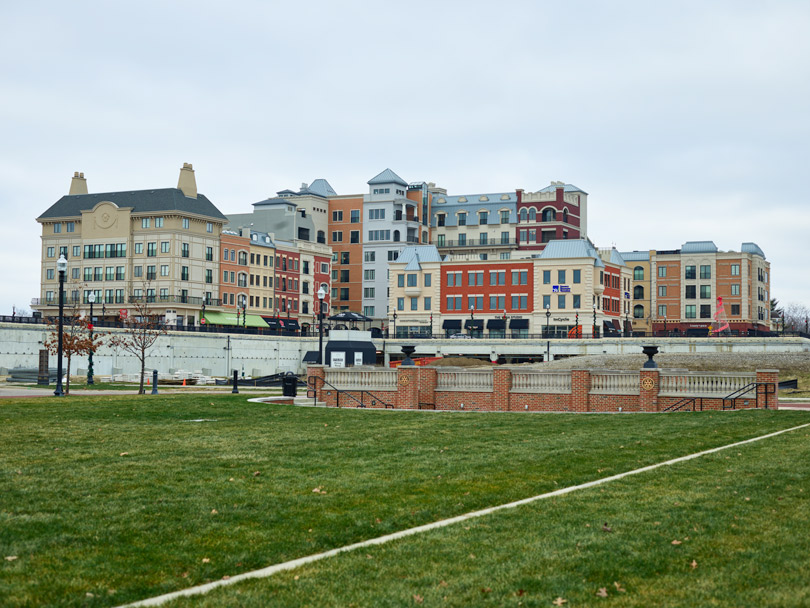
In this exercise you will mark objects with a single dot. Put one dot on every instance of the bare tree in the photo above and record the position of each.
(796, 317)
(141, 331)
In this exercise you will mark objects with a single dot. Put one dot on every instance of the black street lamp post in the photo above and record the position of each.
(627, 329)
(594, 321)
(577, 332)
(61, 266)
(472, 319)
(90, 298)
(244, 312)
(548, 317)
(395, 325)
(321, 296)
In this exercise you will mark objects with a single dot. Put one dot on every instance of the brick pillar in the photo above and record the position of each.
(428, 376)
(648, 388)
(768, 400)
(319, 372)
(580, 390)
(407, 387)
(501, 385)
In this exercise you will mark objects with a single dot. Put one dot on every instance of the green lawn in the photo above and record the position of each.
(106, 500)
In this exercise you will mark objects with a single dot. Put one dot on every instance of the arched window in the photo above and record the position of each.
(396, 235)
(565, 216)
(638, 311)
(549, 215)
(523, 214)
(638, 292)
(532, 214)
(638, 273)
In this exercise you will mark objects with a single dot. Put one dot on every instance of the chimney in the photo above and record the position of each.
(560, 191)
(78, 185)
(187, 183)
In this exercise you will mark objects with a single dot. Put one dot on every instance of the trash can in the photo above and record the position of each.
(289, 384)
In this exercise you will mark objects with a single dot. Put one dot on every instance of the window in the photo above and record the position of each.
(158, 222)
(209, 254)
(497, 277)
(185, 223)
(561, 277)
(475, 302)
(412, 280)
(662, 310)
(344, 276)
(370, 256)
(50, 252)
(532, 214)
(440, 240)
(428, 279)
(690, 311)
(548, 235)
(400, 280)
(354, 236)
(705, 272)
(209, 227)
(77, 251)
(520, 277)
(462, 219)
(184, 250)
(662, 291)
(662, 271)
(393, 254)
(164, 270)
(368, 275)
(334, 274)
(209, 276)
(520, 302)
(561, 302)
(440, 219)
(735, 289)
(354, 216)
(475, 278)
(49, 274)
(145, 222)
(532, 235)
(70, 226)
(376, 214)
(638, 273)
(483, 217)
(689, 272)
(691, 292)
(75, 273)
(151, 273)
(735, 270)
(324, 267)
(638, 292)
(546, 277)
(735, 310)
(414, 303)
(337, 236)
(368, 292)
(462, 239)
(546, 302)
(367, 310)
(705, 311)
(504, 217)
(504, 238)
(483, 238)
(523, 238)
(705, 292)
(426, 304)
(400, 303)
(497, 302)
(137, 272)
(224, 276)
(577, 300)
(549, 215)
(337, 216)
(151, 249)
(638, 311)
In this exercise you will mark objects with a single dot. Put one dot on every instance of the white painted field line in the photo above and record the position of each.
(271, 570)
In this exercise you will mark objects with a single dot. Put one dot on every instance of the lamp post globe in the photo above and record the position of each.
(91, 298)
(321, 296)
(61, 267)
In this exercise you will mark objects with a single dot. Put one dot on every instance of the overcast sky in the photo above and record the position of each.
(682, 120)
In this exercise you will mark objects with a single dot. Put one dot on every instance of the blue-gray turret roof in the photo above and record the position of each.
(699, 247)
(415, 255)
(571, 248)
(753, 248)
(566, 188)
(387, 177)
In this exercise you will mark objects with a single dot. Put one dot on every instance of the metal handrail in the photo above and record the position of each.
(312, 382)
(738, 394)
(679, 405)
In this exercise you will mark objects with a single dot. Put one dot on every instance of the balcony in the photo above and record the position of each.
(194, 301)
(477, 243)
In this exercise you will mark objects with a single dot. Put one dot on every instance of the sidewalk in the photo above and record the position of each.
(9, 391)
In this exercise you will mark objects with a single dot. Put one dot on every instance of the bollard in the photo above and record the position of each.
(154, 382)
(235, 381)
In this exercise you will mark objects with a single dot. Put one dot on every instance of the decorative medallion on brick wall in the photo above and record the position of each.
(403, 380)
(647, 384)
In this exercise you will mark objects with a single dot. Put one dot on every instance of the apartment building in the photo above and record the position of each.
(159, 246)
(556, 212)
(696, 289)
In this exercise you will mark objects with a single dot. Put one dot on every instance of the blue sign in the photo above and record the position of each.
(560, 289)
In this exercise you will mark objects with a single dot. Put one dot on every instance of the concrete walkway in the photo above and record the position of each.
(22, 391)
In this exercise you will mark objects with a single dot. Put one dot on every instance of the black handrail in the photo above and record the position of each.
(312, 382)
(738, 394)
(679, 405)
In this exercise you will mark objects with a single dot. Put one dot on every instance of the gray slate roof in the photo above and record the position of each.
(414, 255)
(753, 248)
(162, 200)
(387, 177)
(636, 256)
(566, 188)
(699, 247)
(572, 248)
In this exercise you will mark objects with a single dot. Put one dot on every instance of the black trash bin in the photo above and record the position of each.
(289, 384)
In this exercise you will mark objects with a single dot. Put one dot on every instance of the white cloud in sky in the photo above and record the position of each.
(684, 121)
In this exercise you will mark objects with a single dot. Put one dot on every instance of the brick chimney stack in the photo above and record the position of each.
(78, 185)
(187, 182)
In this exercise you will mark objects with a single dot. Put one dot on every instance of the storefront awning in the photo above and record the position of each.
(311, 356)
(451, 324)
(496, 324)
(474, 323)
(519, 324)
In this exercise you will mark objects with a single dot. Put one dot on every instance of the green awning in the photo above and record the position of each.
(229, 318)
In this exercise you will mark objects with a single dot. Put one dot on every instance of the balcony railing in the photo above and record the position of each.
(196, 301)
(478, 243)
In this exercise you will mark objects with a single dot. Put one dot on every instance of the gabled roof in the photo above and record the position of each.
(162, 200)
(699, 247)
(616, 257)
(636, 256)
(415, 255)
(566, 188)
(571, 248)
(753, 248)
(322, 188)
(387, 177)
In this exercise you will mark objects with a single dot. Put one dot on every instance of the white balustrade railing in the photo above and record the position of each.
(463, 380)
(702, 384)
(540, 382)
(362, 379)
(613, 382)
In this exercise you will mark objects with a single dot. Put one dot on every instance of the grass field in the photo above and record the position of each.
(110, 499)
